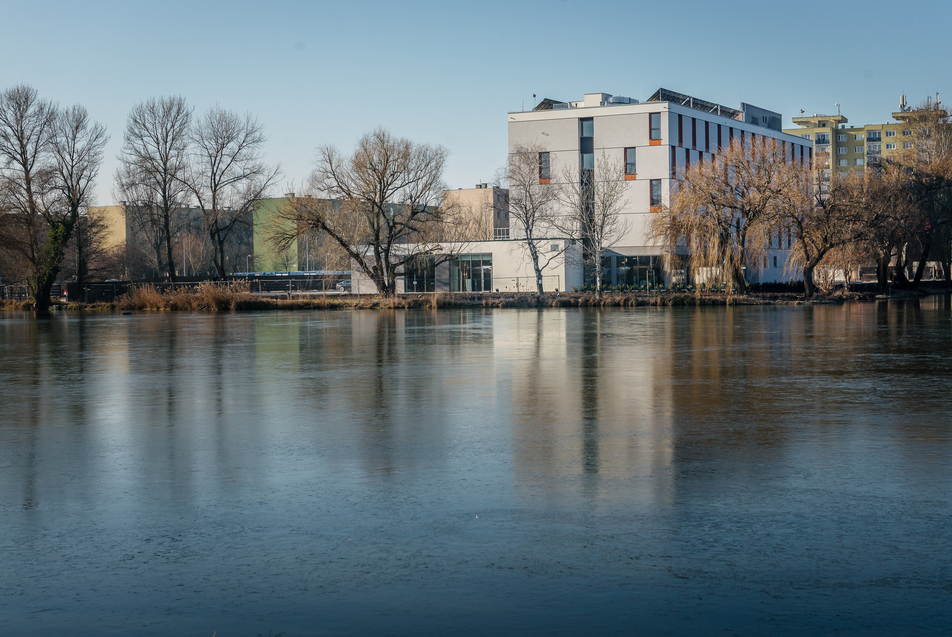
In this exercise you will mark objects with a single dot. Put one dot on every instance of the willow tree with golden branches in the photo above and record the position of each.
(721, 213)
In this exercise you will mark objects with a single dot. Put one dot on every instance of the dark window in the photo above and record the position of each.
(674, 162)
(471, 273)
(680, 130)
(420, 274)
(655, 122)
(707, 135)
(630, 161)
(655, 193)
(588, 161)
(719, 138)
(587, 127)
(544, 172)
(693, 132)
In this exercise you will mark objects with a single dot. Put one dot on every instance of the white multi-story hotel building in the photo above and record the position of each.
(654, 140)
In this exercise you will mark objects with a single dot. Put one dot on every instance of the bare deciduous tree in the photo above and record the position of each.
(26, 124)
(823, 222)
(151, 177)
(50, 160)
(227, 175)
(594, 200)
(924, 171)
(533, 205)
(381, 205)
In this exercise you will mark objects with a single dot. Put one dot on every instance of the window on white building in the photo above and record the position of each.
(630, 161)
(841, 150)
(858, 137)
(588, 127)
(655, 123)
(841, 138)
(890, 133)
(857, 149)
(843, 162)
(544, 166)
(859, 161)
(655, 193)
(891, 146)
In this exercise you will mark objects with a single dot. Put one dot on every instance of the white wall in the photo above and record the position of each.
(623, 126)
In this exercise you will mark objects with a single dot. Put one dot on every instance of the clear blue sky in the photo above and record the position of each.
(447, 73)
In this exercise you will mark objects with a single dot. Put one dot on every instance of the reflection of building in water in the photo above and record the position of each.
(591, 401)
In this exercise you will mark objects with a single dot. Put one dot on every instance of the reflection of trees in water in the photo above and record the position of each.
(587, 410)
(758, 384)
(409, 377)
(588, 389)
(43, 398)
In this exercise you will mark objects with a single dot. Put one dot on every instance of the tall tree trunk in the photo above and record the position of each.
(808, 286)
(534, 253)
(882, 268)
(49, 263)
(80, 258)
(169, 259)
(923, 258)
(902, 260)
(219, 244)
(598, 280)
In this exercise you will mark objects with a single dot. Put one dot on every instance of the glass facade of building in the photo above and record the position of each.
(471, 273)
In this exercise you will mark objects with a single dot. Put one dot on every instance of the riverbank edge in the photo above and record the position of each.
(245, 302)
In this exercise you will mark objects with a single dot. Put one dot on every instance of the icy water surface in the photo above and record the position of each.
(642, 471)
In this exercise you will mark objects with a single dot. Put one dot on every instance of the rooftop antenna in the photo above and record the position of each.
(838, 109)
(902, 102)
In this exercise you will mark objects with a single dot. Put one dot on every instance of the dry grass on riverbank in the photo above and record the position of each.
(211, 297)
(217, 297)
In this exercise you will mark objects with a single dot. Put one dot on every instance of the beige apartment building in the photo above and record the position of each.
(842, 148)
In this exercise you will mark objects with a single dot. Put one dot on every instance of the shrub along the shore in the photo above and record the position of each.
(216, 297)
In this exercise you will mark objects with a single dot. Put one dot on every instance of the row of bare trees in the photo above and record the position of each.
(174, 168)
(581, 205)
(172, 163)
(725, 215)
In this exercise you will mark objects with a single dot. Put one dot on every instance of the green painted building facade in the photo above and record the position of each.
(267, 258)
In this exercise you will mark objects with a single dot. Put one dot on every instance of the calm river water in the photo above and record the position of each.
(684, 471)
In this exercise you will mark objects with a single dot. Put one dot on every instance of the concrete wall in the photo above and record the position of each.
(485, 208)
